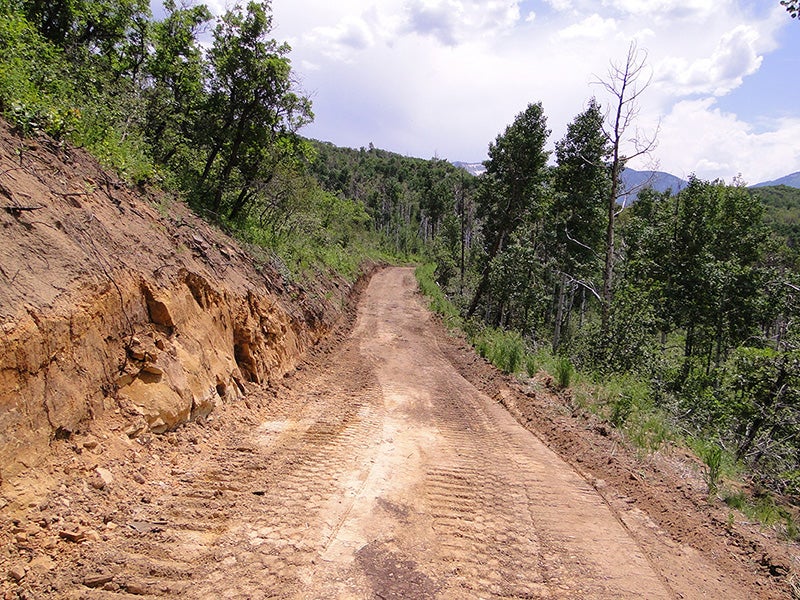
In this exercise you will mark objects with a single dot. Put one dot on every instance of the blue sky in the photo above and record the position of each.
(444, 77)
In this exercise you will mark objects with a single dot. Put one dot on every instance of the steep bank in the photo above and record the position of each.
(115, 307)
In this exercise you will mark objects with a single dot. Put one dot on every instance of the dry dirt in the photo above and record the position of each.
(388, 466)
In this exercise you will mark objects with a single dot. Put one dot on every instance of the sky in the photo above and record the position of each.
(443, 78)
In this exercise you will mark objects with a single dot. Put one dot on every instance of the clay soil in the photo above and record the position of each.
(391, 464)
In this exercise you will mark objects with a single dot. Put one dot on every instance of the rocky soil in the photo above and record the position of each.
(118, 304)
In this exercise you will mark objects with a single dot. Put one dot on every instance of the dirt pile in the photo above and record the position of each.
(115, 306)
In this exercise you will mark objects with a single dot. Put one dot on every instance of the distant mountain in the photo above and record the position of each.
(792, 180)
(474, 168)
(635, 181)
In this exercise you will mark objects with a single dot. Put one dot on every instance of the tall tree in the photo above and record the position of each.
(97, 30)
(515, 173)
(176, 92)
(251, 102)
(581, 185)
(625, 83)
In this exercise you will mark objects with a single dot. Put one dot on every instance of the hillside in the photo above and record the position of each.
(130, 308)
(781, 211)
(792, 180)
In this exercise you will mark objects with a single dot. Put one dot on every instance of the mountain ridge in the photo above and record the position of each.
(660, 181)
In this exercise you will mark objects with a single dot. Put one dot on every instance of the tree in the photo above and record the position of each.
(625, 83)
(251, 104)
(176, 92)
(792, 7)
(581, 184)
(512, 186)
(98, 29)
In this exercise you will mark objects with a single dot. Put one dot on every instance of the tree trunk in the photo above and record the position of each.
(559, 313)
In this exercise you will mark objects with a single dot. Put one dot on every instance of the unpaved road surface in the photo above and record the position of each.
(376, 472)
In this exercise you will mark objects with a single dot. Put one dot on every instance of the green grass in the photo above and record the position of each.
(504, 349)
(437, 300)
(626, 402)
(765, 511)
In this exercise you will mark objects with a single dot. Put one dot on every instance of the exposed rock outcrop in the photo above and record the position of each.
(113, 305)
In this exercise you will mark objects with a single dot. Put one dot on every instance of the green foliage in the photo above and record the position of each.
(762, 409)
(438, 301)
(511, 195)
(564, 372)
(712, 457)
(504, 349)
(763, 509)
(531, 365)
(34, 93)
(410, 201)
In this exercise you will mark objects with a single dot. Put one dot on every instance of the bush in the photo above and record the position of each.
(504, 349)
(564, 372)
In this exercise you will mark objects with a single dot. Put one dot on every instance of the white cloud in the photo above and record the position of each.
(592, 27)
(455, 21)
(446, 76)
(560, 5)
(735, 57)
(342, 40)
(697, 137)
(673, 9)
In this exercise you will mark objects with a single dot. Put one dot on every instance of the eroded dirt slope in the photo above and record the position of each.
(382, 469)
(112, 306)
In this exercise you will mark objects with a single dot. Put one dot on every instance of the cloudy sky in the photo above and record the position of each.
(444, 77)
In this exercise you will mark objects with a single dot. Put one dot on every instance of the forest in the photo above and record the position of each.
(673, 318)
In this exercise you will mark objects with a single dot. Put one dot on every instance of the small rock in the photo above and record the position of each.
(136, 353)
(92, 535)
(137, 477)
(72, 536)
(136, 428)
(94, 581)
(17, 572)
(90, 444)
(105, 475)
(136, 589)
(152, 369)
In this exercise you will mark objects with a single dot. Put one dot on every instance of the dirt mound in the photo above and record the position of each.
(116, 304)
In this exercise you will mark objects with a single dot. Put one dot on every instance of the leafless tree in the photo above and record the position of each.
(625, 83)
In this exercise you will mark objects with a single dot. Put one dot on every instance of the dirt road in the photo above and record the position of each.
(378, 472)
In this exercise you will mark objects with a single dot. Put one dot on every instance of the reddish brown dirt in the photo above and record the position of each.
(386, 467)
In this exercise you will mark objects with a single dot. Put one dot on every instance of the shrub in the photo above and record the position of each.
(504, 349)
(564, 372)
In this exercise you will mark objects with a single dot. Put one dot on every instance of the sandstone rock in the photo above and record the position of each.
(99, 580)
(72, 536)
(105, 475)
(17, 572)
